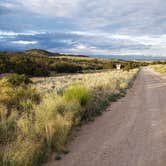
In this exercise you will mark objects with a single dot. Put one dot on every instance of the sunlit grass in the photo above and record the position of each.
(32, 125)
(92, 80)
(159, 68)
(77, 93)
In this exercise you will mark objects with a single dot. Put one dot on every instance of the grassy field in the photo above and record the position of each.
(38, 118)
(90, 80)
(160, 68)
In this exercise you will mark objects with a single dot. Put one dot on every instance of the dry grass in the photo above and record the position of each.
(38, 128)
(159, 68)
(93, 80)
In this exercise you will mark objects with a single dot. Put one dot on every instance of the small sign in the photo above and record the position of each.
(118, 66)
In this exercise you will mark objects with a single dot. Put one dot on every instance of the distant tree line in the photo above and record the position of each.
(17, 63)
(23, 63)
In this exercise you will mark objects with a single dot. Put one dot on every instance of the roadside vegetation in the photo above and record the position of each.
(161, 68)
(38, 118)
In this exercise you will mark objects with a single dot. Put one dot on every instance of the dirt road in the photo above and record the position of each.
(131, 133)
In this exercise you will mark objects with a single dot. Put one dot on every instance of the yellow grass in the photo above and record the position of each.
(92, 80)
(160, 68)
(40, 128)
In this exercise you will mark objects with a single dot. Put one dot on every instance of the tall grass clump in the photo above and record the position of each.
(7, 125)
(50, 124)
(17, 99)
(23, 153)
(46, 129)
(17, 92)
(78, 93)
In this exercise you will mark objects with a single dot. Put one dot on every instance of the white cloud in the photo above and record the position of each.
(147, 40)
(11, 33)
(101, 26)
(23, 42)
(122, 52)
(81, 48)
(124, 44)
(158, 40)
(60, 8)
(124, 16)
(8, 5)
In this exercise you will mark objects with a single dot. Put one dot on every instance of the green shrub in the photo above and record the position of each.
(78, 93)
(17, 96)
(17, 80)
(66, 67)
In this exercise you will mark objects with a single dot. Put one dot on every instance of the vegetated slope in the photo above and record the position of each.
(130, 133)
(39, 53)
(43, 63)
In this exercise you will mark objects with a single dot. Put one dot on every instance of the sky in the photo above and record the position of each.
(99, 27)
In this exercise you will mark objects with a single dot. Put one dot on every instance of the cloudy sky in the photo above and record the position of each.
(99, 27)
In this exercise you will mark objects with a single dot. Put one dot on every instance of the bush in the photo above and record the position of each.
(13, 96)
(18, 97)
(77, 93)
(66, 67)
(17, 80)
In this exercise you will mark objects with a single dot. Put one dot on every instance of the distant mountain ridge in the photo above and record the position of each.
(45, 53)
(40, 52)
